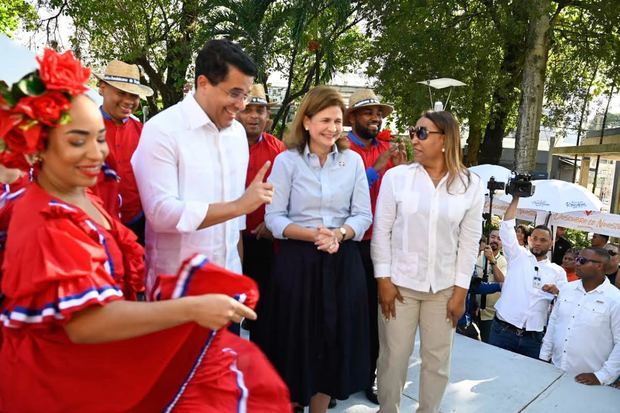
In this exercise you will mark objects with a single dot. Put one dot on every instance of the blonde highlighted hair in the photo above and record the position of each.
(453, 157)
(317, 99)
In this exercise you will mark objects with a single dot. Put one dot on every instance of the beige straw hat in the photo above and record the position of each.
(364, 98)
(125, 77)
(258, 96)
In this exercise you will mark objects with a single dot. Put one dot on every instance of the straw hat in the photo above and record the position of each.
(363, 98)
(258, 96)
(125, 77)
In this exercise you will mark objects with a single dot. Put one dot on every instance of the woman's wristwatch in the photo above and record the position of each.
(343, 232)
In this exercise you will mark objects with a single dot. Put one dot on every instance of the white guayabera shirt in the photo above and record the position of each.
(182, 164)
(583, 335)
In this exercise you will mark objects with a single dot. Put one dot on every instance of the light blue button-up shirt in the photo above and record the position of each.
(309, 195)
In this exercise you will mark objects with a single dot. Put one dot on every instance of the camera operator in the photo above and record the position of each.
(530, 284)
(494, 264)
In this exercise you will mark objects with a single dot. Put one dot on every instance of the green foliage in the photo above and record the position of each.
(16, 12)
(579, 239)
(163, 38)
(482, 43)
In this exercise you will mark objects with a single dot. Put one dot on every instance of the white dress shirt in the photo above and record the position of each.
(424, 237)
(583, 335)
(182, 164)
(523, 303)
(309, 195)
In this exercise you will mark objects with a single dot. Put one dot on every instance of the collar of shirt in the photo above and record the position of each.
(359, 142)
(599, 290)
(308, 154)
(108, 117)
(195, 115)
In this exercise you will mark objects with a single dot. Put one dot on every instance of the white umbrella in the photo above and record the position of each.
(16, 60)
(555, 196)
(486, 171)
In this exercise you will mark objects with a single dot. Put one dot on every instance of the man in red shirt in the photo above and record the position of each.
(365, 116)
(121, 90)
(257, 239)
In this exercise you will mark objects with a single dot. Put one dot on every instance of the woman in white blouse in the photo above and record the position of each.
(427, 226)
(311, 323)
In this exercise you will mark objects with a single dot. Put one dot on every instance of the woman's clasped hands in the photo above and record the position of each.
(326, 240)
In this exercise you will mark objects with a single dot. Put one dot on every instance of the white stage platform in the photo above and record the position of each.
(488, 379)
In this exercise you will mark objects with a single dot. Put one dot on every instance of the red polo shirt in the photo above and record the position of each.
(122, 140)
(266, 149)
(369, 156)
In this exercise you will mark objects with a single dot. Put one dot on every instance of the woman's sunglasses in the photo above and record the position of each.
(583, 260)
(421, 132)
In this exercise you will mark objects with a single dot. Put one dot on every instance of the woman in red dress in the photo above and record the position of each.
(72, 338)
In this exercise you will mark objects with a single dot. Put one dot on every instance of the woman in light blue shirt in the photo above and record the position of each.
(312, 324)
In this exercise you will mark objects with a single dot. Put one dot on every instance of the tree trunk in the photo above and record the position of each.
(476, 114)
(505, 95)
(532, 87)
(504, 99)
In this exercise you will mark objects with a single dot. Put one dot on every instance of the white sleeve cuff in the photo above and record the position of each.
(382, 270)
(194, 212)
(463, 280)
(603, 378)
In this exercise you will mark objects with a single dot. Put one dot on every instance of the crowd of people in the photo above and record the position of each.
(567, 314)
(350, 247)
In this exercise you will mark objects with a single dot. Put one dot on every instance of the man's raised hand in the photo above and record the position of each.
(258, 192)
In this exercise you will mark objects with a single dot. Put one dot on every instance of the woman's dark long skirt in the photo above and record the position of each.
(313, 321)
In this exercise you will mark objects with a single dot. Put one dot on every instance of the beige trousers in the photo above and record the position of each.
(396, 341)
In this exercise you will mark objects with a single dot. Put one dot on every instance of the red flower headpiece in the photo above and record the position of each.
(38, 101)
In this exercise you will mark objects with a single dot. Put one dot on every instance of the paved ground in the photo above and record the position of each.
(488, 379)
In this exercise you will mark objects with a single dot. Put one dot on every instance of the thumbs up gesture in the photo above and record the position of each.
(258, 192)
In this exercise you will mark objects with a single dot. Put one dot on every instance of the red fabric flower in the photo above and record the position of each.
(8, 120)
(385, 135)
(46, 108)
(63, 72)
(14, 160)
(27, 138)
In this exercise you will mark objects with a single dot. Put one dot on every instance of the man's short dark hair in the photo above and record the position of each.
(542, 228)
(215, 57)
(606, 237)
(600, 253)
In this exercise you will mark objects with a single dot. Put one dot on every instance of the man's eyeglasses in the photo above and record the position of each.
(421, 132)
(583, 260)
(612, 253)
(236, 94)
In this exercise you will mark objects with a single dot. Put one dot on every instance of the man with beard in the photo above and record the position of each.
(365, 116)
(494, 263)
(529, 284)
(583, 336)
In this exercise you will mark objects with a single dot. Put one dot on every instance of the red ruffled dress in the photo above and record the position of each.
(58, 262)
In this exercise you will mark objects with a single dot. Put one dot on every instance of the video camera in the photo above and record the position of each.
(519, 185)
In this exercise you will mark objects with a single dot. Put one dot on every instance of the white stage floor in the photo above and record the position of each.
(488, 379)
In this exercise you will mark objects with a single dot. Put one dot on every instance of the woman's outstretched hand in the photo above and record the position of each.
(214, 311)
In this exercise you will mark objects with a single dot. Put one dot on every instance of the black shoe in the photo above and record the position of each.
(371, 395)
(332, 403)
(298, 409)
